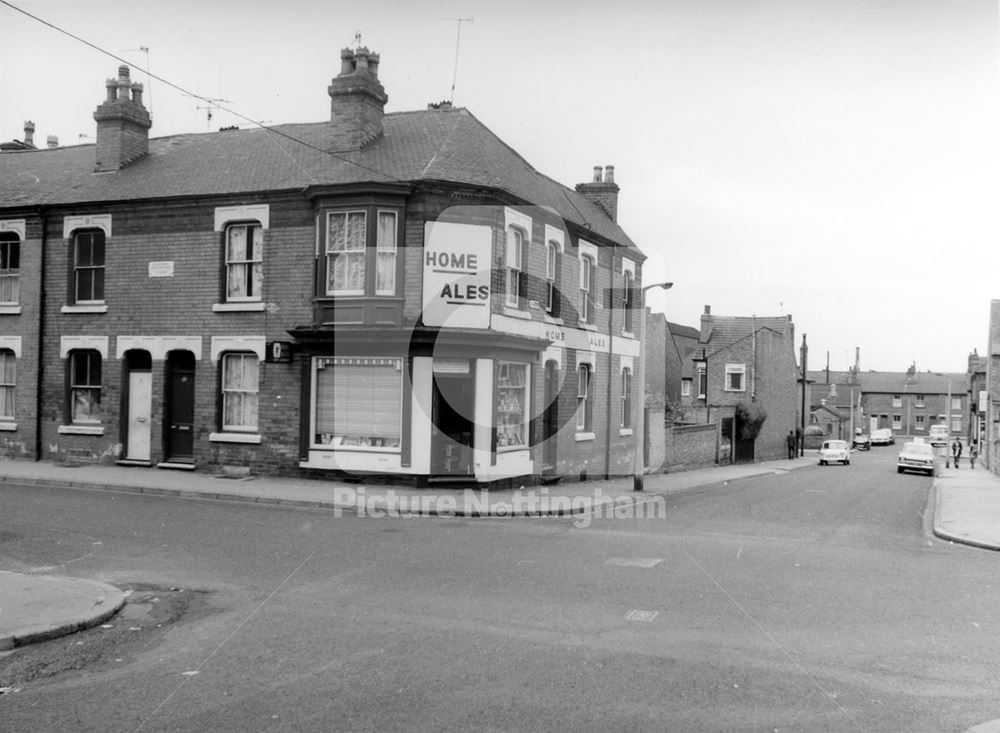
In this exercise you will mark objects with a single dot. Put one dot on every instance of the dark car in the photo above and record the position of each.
(861, 442)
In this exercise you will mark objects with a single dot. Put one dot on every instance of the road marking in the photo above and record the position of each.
(634, 562)
(639, 615)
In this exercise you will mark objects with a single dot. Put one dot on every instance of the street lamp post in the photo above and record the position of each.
(640, 378)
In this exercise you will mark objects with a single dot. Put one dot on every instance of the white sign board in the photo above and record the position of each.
(457, 275)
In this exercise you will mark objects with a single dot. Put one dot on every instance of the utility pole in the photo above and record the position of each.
(804, 352)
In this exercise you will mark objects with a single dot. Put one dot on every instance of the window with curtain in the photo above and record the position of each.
(240, 385)
(385, 254)
(85, 386)
(8, 381)
(358, 403)
(244, 262)
(346, 239)
(10, 268)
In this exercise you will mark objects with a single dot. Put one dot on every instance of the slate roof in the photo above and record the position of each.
(898, 382)
(444, 145)
(723, 331)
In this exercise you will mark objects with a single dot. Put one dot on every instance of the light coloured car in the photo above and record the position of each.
(938, 435)
(916, 457)
(883, 436)
(834, 450)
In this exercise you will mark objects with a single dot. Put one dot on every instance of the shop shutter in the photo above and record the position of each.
(359, 397)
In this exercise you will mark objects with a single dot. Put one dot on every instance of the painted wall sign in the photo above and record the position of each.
(161, 269)
(457, 275)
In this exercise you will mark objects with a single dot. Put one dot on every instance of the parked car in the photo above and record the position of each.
(862, 442)
(883, 436)
(916, 457)
(939, 435)
(834, 450)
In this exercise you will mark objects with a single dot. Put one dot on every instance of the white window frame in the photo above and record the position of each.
(956, 423)
(78, 269)
(897, 422)
(10, 239)
(628, 282)
(701, 374)
(87, 387)
(244, 393)
(551, 276)
(627, 385)
(514, 255)
(920, 400)
(734, 369)
(897, 400)
(685, 388)
(919, 422)
(956, 404)
(8, 389)
(332, 254)
(251, 263)
(584, 399)
(383, 250)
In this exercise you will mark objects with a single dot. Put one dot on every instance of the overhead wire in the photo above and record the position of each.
(177, 87)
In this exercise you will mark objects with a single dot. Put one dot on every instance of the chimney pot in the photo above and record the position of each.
(609, 174)
(373, 59)
(346, 61)
(708, 310)
(112, 86)
(52, 141)
(598, 172)
(137, 93)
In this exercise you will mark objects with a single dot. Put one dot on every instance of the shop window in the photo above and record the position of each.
(511, 405)
(735, 377)
(10, 268)
(88, 266)
(244, 262)
(85, 386)
(626, 399)
(588, 276)
(628, 283)
(8, 381)
(552, 268)
(358, 403)
(515, 259)
(240, 384)
(584, 400)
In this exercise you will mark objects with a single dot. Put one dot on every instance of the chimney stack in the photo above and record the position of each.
(29, 133)
(122, 124)
(602, 191)
(357, 100)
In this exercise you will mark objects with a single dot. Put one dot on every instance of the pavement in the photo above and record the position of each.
(38, 607)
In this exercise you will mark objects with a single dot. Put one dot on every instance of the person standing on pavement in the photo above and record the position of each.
(956, 451)
(973, 452)
(790, 443)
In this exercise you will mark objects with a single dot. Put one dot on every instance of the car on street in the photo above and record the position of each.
(916, 457)
(939, 435)
(861, 442)
(883, 436)
(834, 450)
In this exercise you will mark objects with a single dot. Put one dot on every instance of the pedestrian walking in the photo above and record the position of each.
(973, 454)
(956, 451)
(790, 443)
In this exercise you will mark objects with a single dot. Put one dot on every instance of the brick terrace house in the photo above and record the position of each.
(907, 402)
(380, 293)
(745, 362)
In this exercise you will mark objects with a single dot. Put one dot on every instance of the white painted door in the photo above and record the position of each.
(140, 402)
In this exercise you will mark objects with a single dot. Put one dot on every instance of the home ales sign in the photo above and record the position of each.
(457, 275)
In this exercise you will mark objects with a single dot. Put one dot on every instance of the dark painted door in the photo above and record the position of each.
(451, 441)
(179, 430)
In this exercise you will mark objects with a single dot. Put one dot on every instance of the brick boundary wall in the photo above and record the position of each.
(690, 446)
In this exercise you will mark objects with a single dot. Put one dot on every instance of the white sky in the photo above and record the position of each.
(835, 160)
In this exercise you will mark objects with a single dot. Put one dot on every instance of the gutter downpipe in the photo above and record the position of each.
(40, 366)
(607, 412)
